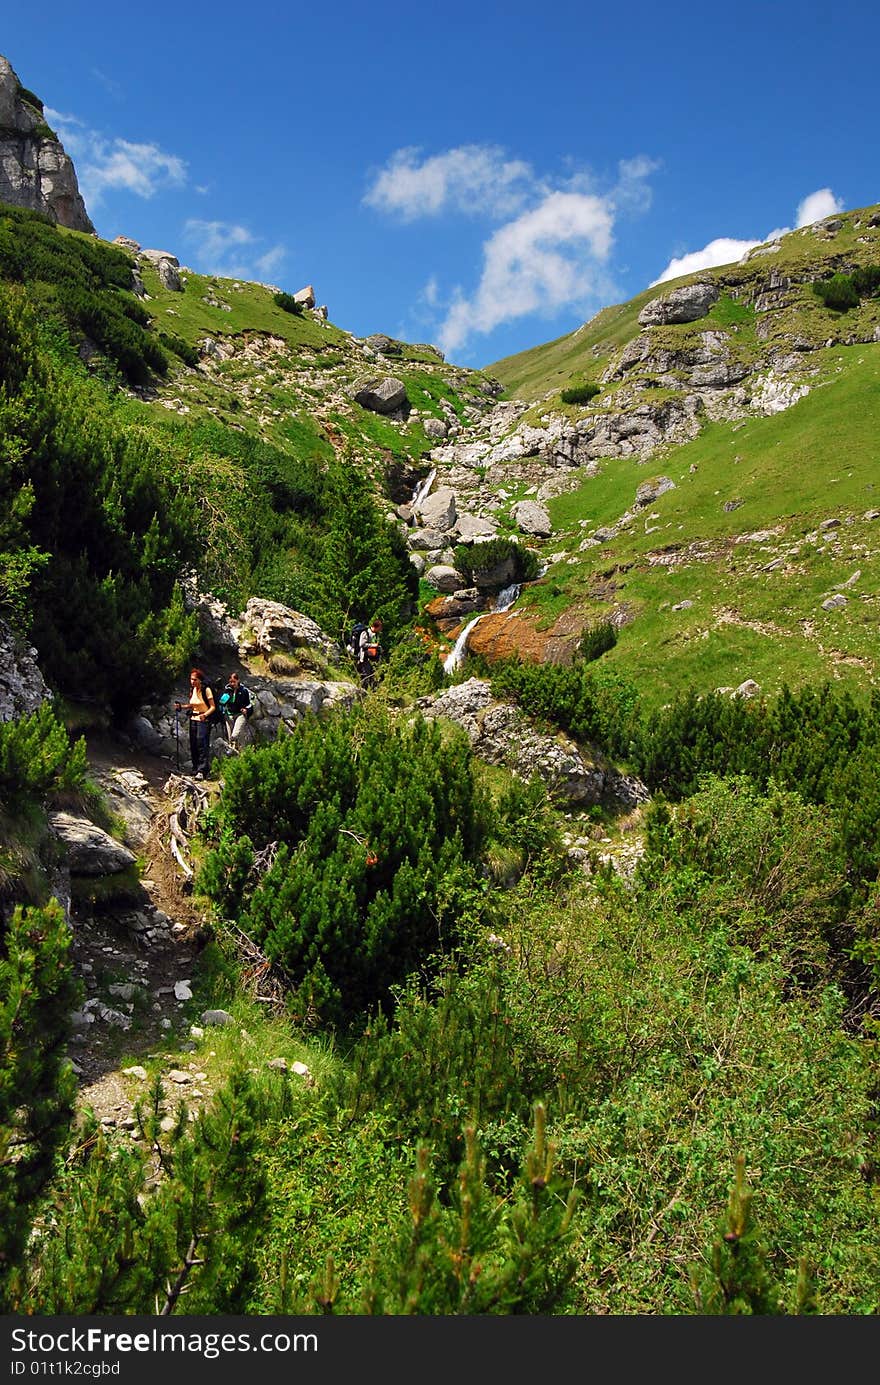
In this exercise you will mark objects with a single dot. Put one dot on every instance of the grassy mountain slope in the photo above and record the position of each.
(756, 602)
(284, 377)
(770, 515)
(804, 255)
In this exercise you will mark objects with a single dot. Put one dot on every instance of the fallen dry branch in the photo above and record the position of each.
(183, 818)
(259, 977)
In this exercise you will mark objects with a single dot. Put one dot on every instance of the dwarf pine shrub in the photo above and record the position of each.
(579, 394)
(344, 850)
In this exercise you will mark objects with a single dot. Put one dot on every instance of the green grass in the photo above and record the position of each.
(815, 461)
(252, 309)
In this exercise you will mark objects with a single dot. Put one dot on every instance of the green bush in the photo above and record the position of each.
(866, 280)
(844, 291)
(37, 758)
(95, 526)
(188, 354)
(596, 707)
(596, 641)
(345, 850)
(480, 558)
(30, 99)
(771, 863)
(288, 303)
(837, 293)
(125, 1242)
(37, 1085)
(579, 394)
(84, 284)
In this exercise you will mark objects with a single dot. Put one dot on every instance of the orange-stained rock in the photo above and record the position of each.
(504, 636)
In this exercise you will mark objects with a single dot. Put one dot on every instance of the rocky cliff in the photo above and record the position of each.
(35, 172)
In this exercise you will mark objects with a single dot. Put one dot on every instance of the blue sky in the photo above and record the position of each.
(482, 176)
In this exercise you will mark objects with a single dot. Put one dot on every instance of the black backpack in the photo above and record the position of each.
(356, 631)
(216, 717)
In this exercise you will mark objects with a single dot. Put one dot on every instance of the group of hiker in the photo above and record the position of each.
(232, 713)
(234, 708)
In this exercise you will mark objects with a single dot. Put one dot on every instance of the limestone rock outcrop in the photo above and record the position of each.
(35, 172)
(444, 578)
(437, 510)
(685, 304)
(501, 734)
(22, 686)
(167, 267)
(267, 626)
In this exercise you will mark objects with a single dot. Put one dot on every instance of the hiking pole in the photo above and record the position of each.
(177, 737)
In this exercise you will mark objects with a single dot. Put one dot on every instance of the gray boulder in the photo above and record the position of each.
(169, 276)
(461, 704)
(268, 626)
(218, 628)
(532, 518)
(501, 735)
(649, 491)
(305, 296)
(382, 396)
(435, 427)
(474, 529)
(444, 578)
(494, 578)
(130, 798)
(425, 540)
(437, 510)
(167, 267)
(461, 603)
(382, 345)
(685, 304)
(89, 849)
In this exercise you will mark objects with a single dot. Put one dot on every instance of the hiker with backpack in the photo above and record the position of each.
(237, 709)
(201, 709)
(367, 649)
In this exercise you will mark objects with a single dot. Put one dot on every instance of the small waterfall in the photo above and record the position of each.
(456, 654)
(423, 489)
(506, 598)
(503, 602)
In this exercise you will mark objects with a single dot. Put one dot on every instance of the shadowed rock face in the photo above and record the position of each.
(35, 172)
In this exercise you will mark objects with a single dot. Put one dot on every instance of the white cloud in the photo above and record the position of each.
(112, 87)
(633, 192)
(549, 251)
(110, 163)
(546, 259)
(231, 251)
(271, 261)
(817, 206)
(476, 179)
(725, 250)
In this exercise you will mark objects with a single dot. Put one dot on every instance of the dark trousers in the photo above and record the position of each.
(199, 745)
